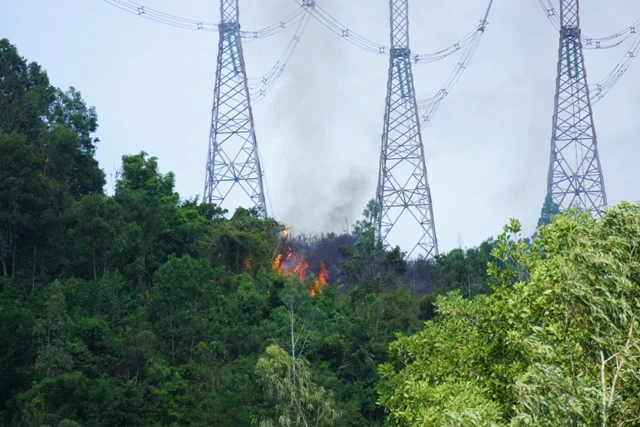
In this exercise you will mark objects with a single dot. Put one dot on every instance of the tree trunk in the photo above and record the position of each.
(4, 263)
(173, 354)
(33, 269)
(104, 264)
(93, 256)
(14, 248)
(293, 342)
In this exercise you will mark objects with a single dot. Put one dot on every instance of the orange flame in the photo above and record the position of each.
(294, 264)
(276, 263)
(321, 281)
(248, 263)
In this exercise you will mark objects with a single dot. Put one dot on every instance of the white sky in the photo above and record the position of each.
(487, 148)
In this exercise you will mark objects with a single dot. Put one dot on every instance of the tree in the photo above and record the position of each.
(46, 160)
(301, 316)
(583, 342)
(73, 399)
(465, 270)
(53, 332)
(94, 235)
(246, 236)
(548, 211)
(21, 194)
(69, 147)
(26, 93)
(181, 305)
(556, 343)
(298, 400)
(169, 396)
(18, 344)
(149, 205)
(438, 383)
(370, 265)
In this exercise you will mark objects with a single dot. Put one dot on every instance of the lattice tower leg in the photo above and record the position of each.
(233, 173)
(405, 215)
(575, 174)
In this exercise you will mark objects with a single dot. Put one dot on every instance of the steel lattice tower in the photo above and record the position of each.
(233, 166)
(403, 195)
(575, 175)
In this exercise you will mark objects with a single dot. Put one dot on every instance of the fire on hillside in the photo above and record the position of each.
(295, 264)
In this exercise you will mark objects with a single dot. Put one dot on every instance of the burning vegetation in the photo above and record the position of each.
(295, 264)
(321, 281)
(334, 256)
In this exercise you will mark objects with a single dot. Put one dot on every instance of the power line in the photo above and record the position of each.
(429, 106)
(347, 34)
(191, 24)
(604, 86)
(593, 43)
(260, 87)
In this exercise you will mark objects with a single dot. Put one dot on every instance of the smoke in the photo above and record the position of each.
(346, 201)
(487, 148)
(324, 176)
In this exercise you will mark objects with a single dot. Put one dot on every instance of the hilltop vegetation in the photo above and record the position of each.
(143, 308)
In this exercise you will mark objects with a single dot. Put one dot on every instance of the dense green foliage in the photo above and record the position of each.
(548, 211)
(143, 308)
(557, 342)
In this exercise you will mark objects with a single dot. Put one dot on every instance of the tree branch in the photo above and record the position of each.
(604, 389)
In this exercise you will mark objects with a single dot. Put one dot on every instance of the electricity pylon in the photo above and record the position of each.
(403, 194)
(233, 171)
(575, 175)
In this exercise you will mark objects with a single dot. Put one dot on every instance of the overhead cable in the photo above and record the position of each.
(260, 87)
(429, 106)
(593, 43)
(347, 34)
(191, 24)
(604, 86)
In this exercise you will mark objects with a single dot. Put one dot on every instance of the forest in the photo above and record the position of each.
(145, 308)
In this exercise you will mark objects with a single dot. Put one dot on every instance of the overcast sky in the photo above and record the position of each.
(487, 149)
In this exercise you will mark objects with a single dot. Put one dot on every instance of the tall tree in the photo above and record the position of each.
(181, 306)
(556, 343)
(548, 211)
(47, 159)
(94, 236)
(26, 93)
(19, 346)
(298, 400)
(370, 265)
(149, 205)
(465, 270)
(53, 331)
